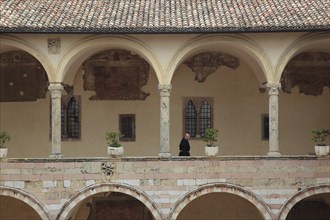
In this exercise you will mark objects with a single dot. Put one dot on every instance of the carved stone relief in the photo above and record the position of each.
(22, 77)
(116, 75)
(309, 71)
(204, 64)
(54, 45)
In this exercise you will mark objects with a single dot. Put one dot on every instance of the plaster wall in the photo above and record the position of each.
(238, 107)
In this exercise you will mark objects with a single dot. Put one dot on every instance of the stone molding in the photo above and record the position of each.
(273, 88)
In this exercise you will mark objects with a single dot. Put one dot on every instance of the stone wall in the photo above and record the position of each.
(272, 184)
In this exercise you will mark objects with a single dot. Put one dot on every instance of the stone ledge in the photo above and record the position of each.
(156, 158)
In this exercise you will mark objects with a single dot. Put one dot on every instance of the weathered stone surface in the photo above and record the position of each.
(116, 75)
(204, 64)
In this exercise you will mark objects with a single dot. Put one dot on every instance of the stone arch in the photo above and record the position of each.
(10, 42)
(315, 42)
(236, 45)
(293, 200)
(221, 188)
(26, 198)
(109, 187)
(86, 47)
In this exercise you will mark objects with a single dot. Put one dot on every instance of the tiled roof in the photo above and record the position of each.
(164, 16)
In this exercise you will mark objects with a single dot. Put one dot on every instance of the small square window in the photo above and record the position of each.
(127, 127)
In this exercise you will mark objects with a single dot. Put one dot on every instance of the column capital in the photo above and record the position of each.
(273, 88)
(55, 86)
(165, 89)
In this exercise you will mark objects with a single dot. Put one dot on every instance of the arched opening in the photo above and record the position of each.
(219, 206)
(224, 93)
(12, 200)
(24, 103)
(316, 207)
(14, 209)
(305, 94)
(104, 197)
(112, 205)
(110, 84)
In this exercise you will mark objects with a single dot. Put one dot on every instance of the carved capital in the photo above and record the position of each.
(165, 89)
(273, 88)
(55, 90)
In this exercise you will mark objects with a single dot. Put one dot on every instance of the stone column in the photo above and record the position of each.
(56, 93)
(165, 90)
(273, 91)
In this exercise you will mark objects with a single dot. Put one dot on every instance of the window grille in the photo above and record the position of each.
(127, 127)
(73, 129)
(204, 117)
(197, 115)
(190, 119)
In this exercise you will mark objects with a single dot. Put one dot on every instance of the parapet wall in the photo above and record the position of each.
(272, 184)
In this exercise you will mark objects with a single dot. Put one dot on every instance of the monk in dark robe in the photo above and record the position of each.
(184, 145)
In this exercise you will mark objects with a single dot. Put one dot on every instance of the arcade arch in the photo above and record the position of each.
(29, 205)
(310, 42)
(300, 196)
(238, 46)
(9, 43)
(262, 210)
(69, 208)
(89, 46)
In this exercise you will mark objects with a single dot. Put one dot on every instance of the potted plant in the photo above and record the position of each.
(4, 137)
(319, 136)
(114, 147)
(210, 137)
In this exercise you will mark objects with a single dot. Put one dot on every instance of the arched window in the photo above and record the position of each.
(70, 118)
(197, 115)
(190, 119)
(204, 117)
(73, 122)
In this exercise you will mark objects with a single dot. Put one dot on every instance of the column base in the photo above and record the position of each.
(56, 156)
(274, 154)
(164, 155)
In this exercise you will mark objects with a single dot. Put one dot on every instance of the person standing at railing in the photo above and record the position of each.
(184, 145)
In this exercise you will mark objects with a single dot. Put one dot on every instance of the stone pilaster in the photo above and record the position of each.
(56, 94)
(273, 91)
(165, 90)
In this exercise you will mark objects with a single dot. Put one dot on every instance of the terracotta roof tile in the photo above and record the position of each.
(140, 16)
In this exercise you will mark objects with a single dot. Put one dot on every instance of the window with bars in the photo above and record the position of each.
(265, 127)
(127, 127)
(198, 115)
(70, 118)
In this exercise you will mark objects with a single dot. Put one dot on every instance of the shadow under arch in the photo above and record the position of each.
(261, 206)
(293, 200)
(92, 45)
(236, 45)
(109, 187)
(315, 42)
(18, 43)
(27, 199)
